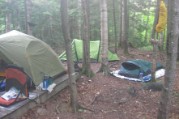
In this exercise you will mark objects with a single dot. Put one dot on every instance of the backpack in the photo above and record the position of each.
(17, 79)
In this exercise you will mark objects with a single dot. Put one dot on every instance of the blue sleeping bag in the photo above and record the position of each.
(133, 68)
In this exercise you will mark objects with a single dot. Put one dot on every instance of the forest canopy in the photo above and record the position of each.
(45, 23)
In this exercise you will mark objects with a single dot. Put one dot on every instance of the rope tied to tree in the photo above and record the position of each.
(162, 21)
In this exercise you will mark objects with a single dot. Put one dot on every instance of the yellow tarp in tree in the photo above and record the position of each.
(162, 21)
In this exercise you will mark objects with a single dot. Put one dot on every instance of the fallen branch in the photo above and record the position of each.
(84, 108)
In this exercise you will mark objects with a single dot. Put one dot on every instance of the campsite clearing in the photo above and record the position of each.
(109, 97)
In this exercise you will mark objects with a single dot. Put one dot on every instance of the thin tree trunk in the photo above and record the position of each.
(120, 24)
(164, 41)
(126, 26)
(72, 20)
(28, 6)
(8, 22)
(155, 19)
(104, 37)
(79, 21)
(86, 42)
(8, 17)
(18, 27)
(154, 41)
(172, 36)
(178, 51)
(147, 23)
(71, 73)
(51, 28)
(89, 19)
(75, 20)
(115, 31)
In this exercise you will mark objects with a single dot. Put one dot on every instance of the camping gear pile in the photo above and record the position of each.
(138, 70)
(27, 60)
(16, 86)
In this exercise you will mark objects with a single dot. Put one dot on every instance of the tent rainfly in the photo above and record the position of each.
(77, 49)
(33, 55)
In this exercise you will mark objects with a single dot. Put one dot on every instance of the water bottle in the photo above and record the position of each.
(3, 85)
(45, 82)
(141, 76)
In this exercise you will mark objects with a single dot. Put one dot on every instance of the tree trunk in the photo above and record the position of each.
(155, 44)
(104, 37)
(178, 51)
(120, 24)
(8, 22)
(72, 20)
(71, 73)
(115, 31)
(28, 23)
(79, 21)
(75, 19)
(155, 19)
(147, 23)
(18, 27)
(51, 29)
(8, 17)
(124, 26)
(86, 42)
(172, 36)
(89, 25)
(126, 22)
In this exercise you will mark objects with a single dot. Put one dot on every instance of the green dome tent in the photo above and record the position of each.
(33, 55)
(77, 49)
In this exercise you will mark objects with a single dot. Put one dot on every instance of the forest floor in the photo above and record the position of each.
(108, 97)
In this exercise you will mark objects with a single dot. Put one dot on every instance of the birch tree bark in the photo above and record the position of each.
(172, 37)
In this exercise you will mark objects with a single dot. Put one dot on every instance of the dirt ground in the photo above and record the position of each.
(108, 97)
